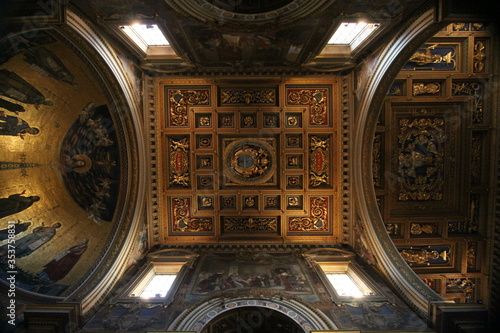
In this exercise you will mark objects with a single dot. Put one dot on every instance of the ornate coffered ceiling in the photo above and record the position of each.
(246, 160)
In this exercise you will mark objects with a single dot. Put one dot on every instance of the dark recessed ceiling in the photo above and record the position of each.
(238, 35)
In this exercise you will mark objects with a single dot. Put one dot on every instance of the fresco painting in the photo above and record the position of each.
(236, 271)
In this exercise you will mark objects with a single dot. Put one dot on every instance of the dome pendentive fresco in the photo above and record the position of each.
(60, 164)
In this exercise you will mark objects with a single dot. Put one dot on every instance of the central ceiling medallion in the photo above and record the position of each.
(249, 161)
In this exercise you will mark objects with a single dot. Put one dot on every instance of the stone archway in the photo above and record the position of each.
(291, 312)
(252, 319)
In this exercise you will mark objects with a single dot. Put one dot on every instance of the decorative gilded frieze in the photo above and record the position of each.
(423, 229)
(434, 57)
(426, 255)
(179, 101)
(317, 221)
(245, 224)
(317, 99)
(179, 162)
(240, 96)
(421, 88)
(182, 221)
(421, 159)
(319, 161)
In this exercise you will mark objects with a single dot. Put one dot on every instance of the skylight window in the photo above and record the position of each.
(352, 34)
(145, 35)
(346, 280)
(344, 285)
(158, 286)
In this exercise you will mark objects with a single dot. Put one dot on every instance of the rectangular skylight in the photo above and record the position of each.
(344, 285)
(145, 35)
(352, 34)
(159, 286)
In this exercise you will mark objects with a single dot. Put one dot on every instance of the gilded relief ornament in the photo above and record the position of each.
(422, 228)
(247, 96)
(430, 56)
(179, 162)
(250, 224)
(317, 101)
(319, 162)
(318, 219)
(249, 161)
(180, 100)
(420, 88)
(425, 256)
(479, 56)
(421, 159)
(475, 90)
(182, 221)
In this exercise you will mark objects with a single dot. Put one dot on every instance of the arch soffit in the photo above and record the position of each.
(390, 61)
(95, 288)
(197, 317)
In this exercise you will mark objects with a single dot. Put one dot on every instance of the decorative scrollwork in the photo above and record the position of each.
(318, 219)
(182, 220)
(180, 100)
(317, 101)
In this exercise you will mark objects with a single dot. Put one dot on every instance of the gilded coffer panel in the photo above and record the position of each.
(248, 160)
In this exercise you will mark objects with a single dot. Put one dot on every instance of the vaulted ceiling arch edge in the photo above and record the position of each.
(390, 61)
(127, 106)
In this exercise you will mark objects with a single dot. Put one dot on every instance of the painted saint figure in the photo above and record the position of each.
(15, 87)
(15, 203)
(29, 243)
(14, 126)
(18, 228)
(47, 61)
(12, 107)
(62, 264)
